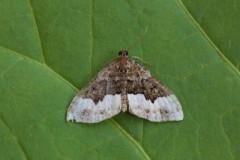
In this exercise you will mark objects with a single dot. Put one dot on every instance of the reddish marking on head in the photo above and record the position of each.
(123, 58)
(122, 61)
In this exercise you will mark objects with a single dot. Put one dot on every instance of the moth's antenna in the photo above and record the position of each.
(140, 38)
(141, 60)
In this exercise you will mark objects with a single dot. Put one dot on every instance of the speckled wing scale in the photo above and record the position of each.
(124, 85)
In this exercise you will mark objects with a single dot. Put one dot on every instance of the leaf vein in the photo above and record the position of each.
(41, 64)
(131, 139)
(37, 31)
(10, 67)
(228, 140)
(209, 40)
(20, 145)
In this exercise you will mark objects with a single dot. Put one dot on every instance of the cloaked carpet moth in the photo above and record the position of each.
(124, 85)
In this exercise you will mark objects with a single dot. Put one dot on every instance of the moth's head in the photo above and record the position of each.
(123, 53)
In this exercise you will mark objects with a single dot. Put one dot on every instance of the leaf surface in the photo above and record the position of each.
(50, 49)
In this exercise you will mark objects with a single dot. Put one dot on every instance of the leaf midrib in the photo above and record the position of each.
(37, 31)
(131, 139)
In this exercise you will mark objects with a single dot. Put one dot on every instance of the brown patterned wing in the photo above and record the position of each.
(99, 100)
(150, 99)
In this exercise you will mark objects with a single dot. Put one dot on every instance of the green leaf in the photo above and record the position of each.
(50, 49)
(220, 25)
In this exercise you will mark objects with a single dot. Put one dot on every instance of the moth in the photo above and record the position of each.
(124, 85)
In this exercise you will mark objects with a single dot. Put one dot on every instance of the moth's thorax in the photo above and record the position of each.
(123, 58)
(122, 61)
